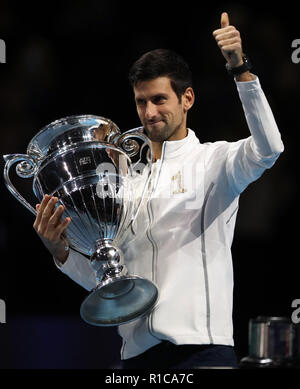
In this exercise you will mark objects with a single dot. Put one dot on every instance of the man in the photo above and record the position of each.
(189, 220)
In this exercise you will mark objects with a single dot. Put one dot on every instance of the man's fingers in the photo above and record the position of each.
(63, 226)
(55, 234)
(228, 34)
(224, 30)
(44, 202)
(40, 209)
(224, 20)
(55, 218)
(49, 208)
(46, 210)
(51, 226)
(225, 26)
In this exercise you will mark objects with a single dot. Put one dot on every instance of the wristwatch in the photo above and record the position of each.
(239, 69)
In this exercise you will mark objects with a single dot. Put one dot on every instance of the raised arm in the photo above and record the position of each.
(248, 158)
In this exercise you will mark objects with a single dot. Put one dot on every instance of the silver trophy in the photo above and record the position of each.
(96, 173)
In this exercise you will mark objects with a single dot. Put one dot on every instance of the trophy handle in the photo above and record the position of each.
(127, 143)
(26, 168)
(130, 146)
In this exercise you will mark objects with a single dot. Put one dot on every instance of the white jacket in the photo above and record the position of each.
(184, 235)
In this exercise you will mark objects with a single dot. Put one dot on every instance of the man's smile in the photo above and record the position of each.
(154, 122)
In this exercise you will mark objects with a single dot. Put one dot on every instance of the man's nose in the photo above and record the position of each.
(151, 110)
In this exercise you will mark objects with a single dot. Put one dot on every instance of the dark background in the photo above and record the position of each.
(66, 58)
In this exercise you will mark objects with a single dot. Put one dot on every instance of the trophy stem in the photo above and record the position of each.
(118, 298)
(108, 262)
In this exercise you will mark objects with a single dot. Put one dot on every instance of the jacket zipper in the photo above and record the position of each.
(204, 261)
(151, 239)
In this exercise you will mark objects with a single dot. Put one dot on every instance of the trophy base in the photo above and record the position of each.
(120, 301)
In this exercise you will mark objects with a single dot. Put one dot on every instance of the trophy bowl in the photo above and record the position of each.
(87, 164)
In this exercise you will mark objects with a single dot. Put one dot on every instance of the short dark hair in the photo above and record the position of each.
(161, 63)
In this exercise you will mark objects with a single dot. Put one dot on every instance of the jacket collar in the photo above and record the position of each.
(177, 147)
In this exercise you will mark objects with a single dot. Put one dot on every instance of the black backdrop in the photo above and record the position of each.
(65, 58)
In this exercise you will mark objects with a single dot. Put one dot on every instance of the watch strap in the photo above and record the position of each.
(235, 71)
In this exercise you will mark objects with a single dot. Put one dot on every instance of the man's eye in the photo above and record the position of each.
(159, 100)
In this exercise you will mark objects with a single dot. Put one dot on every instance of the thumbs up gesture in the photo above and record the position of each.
(229, 40)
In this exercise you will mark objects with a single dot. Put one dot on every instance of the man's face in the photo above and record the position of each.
(159, 109)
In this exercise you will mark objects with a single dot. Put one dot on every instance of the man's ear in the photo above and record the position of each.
(188, 98)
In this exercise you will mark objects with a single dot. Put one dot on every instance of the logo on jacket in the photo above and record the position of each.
(177, 184)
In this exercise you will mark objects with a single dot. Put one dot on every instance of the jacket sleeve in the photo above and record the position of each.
(247, 159)
(78, 268)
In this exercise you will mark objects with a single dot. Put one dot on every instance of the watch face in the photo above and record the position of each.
(248, 63)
